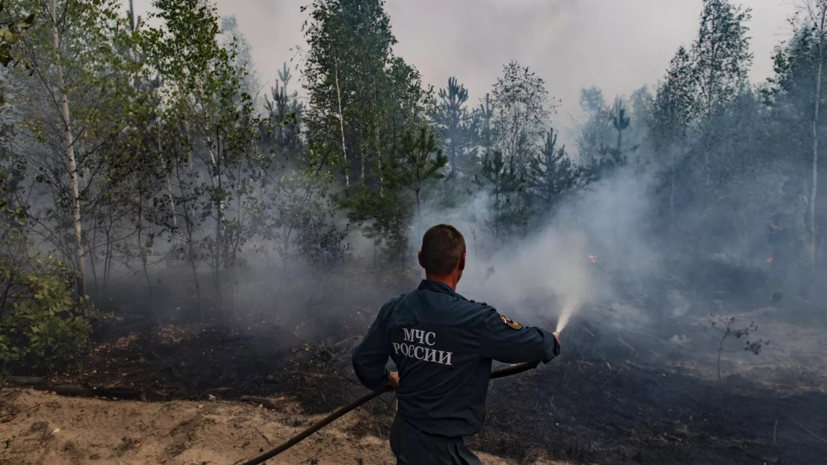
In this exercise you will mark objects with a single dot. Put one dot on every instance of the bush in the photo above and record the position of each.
(42, 323)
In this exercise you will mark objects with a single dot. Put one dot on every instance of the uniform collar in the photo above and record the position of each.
(436, 286)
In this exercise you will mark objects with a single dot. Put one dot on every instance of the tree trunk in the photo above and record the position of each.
(169, 194)
(810, 244)
(68, 141)
(379, 160)
(672, 195)
(341, 123)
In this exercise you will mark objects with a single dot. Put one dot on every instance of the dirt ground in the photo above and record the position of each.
(39, 428)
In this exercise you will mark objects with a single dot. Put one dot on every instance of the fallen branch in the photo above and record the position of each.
(26, 380)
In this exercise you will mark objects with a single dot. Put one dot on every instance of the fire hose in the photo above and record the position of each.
(503, 372)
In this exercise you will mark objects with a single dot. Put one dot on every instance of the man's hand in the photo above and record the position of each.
(393, 380)
(557, 347)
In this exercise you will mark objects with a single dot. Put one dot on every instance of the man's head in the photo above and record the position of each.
(443, 254)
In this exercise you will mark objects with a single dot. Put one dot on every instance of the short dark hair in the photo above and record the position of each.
(442, 247)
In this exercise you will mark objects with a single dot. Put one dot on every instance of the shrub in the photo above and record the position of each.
(42, 323)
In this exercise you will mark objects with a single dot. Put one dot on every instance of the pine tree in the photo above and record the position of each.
(504, 182)
(454, 122)
(551, 173)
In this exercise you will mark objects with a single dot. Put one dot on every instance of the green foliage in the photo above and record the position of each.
(414, 163)
(551, 174)
(299, 217)
(456, 126)
(42, 322)
(12, 27)
(721, 56)
(416, 160)
(503, 182)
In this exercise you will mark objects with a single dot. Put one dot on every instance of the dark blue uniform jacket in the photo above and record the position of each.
(442, 345)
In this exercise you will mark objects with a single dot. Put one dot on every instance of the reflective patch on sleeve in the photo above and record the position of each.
(510, 323)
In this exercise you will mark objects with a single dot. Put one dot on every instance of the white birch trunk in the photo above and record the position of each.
(341, 123)
(68, 147)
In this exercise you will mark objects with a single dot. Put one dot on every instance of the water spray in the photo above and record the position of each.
(571, 305)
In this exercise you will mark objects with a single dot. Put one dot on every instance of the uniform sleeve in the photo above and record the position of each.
(800, 213)
(502, 342)
(370, 358)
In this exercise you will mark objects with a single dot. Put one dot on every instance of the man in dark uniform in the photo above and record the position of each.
(442, 345)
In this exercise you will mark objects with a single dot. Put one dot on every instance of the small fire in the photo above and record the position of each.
(769, 260)
(593, 258)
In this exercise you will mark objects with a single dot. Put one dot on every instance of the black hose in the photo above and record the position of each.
(513, 370)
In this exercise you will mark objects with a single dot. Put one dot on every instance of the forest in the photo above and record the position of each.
(172, 230)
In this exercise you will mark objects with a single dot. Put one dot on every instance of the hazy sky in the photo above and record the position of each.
(617, 45)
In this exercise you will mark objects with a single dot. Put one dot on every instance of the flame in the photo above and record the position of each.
(769, 260)
(593, 258)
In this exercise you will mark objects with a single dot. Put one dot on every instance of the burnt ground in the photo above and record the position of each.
(617, 395)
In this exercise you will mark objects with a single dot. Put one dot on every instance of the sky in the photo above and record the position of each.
(616, 45)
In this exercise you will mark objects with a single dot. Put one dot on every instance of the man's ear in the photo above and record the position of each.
(419, 256)
(462, 262)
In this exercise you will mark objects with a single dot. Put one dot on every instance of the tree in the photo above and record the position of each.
(233, 38)
(345, 74)
(672, 116)
(363, 99)
(551, 173)
(612, 158)
(504, 183)
(418, 159)
(816, 14)
(454, 122)
(595, 131)
(217, 130)
(78, 79)
(486, 132)
(797, 97)
(721, 56)
(285, 113)
(521, 112)
(720, 61)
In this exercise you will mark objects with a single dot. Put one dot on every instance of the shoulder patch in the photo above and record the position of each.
(510, 323)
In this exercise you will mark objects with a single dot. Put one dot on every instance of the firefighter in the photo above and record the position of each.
(442, 345)
(789, 237)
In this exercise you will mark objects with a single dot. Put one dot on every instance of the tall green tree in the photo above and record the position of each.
(418, 160)
(454, 122)
(551, 174)
(721, 60)
(595, 131)
(671, 119)
(363, 100)
(346, 74)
